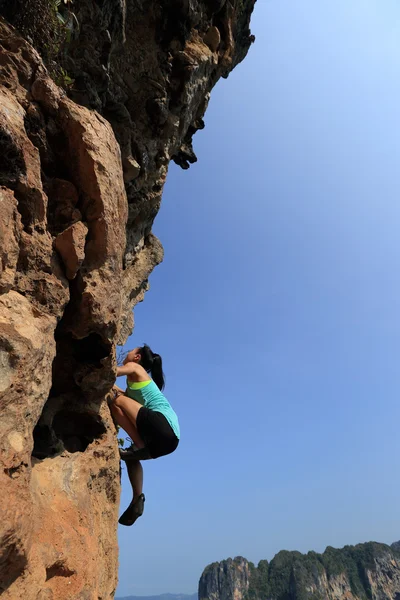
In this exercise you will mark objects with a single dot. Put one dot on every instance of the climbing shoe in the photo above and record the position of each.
(127, 453)
(133, 512)
(134, 453)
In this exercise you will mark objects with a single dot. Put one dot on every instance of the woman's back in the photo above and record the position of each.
(149, 395)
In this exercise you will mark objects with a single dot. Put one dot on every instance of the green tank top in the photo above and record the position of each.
(148, 395)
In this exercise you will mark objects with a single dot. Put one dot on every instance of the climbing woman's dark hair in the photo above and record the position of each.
(153, 364)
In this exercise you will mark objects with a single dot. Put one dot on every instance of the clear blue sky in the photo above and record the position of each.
(276, 310)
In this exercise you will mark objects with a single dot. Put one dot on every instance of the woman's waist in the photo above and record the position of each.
(135, 396)
(162, 406)
(168, 413)
(158, 403)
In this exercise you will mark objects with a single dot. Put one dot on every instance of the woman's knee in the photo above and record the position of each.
(120, 400)
(113, 409)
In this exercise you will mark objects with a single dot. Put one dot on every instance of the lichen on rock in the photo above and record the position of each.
(83, 161)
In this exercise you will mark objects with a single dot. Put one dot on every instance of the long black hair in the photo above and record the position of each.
(153, 364)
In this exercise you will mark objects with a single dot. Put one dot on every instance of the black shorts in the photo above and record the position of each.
(157, 434)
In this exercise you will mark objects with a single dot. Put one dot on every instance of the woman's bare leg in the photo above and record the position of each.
(126, 424)
(135, 473)
(129, 406)
(127, 420)
(136, 507)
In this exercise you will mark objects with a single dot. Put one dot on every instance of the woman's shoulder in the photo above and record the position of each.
(138, 373)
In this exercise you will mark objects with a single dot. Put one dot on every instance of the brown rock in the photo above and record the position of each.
(131, 169)
(71, 245)
(97, 168)
(45, 91)
(63, 199)
(135, 280)
(26, 340)
(10, 228)
(58, 516)
(213, 38)
(20, 162)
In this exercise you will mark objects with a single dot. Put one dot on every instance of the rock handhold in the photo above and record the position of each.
(47, 93)
(131, 168)
(71, 246)
(213, 38)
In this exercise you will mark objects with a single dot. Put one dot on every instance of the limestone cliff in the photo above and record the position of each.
(96, 98)
(364, 572)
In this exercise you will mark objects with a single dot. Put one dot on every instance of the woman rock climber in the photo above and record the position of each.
(146, 415)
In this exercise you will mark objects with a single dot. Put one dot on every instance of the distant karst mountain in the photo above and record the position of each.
(364, 572)
(161, 597)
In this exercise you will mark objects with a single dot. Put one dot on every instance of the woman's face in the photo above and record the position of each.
(133, 356)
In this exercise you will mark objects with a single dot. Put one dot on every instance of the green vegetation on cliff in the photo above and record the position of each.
(37, 22)
(48, 25)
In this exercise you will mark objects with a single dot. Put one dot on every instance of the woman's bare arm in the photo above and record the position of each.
(127, 369)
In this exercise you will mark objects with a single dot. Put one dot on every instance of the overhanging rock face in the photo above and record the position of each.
(82, 168)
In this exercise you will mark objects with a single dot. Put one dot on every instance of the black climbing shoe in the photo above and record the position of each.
(134, 453)
(127, 453)
(133, 512)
